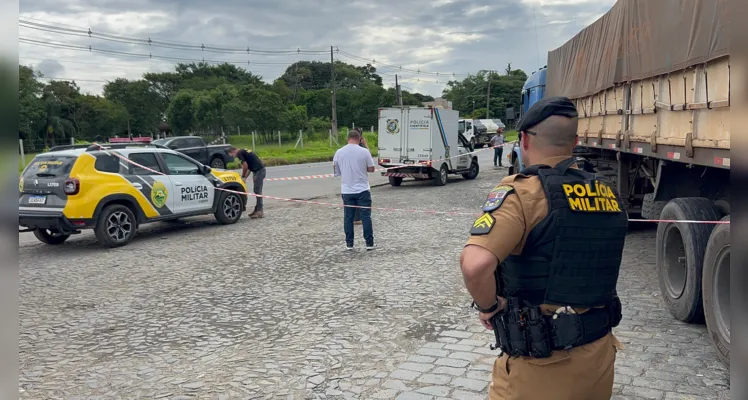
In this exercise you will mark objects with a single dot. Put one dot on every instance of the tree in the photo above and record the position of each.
(30, 105)
(505, 92)
(144, 105)
(236, 113)
(294, 118)
(181, 113)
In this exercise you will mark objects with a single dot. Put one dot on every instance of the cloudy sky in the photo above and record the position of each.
(444, 36)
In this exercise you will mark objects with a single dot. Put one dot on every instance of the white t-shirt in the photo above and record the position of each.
(351, 162)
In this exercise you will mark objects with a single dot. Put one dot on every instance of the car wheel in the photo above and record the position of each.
(441, 179)
(473, 173)
(218, 163)
(716, 290)
(229, 208)
(472, 142)
(396, 180)
(49, 237)
(116, 226)
(680, 249)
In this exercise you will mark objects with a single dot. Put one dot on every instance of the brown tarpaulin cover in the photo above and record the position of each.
(638, 39)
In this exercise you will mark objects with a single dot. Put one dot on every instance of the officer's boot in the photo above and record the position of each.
(257, 214)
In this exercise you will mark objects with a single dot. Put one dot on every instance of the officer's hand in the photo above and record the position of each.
(485, 318)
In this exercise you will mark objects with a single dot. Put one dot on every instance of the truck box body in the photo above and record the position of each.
(651, 78)
(411, 135)
(423, 143)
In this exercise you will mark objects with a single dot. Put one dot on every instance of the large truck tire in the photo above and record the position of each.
(652, 209)
(441, 177)
(396, 180)
(680, 255)
(716, 290)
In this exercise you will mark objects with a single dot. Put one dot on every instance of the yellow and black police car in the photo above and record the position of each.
(112, 189)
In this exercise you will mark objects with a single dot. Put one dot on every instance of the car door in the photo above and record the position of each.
(195, 148)
(193, 192)
(463, 149)
(147, 175)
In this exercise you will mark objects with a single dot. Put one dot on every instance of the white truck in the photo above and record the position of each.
(423, 143)
(478, 132)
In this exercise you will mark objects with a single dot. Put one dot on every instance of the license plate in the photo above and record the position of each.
(408, 161)
(37, 199)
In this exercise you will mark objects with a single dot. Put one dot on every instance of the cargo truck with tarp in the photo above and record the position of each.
(651, 82)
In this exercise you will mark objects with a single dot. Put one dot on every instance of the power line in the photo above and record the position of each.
(92, 49)
(214, 49)
(72, 79)
(398, 67)
(159, 43)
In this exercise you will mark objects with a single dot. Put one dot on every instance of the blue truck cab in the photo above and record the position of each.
(532, 91)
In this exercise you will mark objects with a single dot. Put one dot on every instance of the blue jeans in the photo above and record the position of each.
(497, 152)
(362, 199)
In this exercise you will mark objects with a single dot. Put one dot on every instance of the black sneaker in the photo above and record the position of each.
(349, 247)
(370, 247)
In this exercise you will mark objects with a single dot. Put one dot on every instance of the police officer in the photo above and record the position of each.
(542, 264)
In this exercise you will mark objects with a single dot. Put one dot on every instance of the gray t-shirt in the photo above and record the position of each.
(497, 139)
(351, 163)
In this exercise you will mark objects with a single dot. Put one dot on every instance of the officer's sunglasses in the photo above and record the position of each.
(519, 138)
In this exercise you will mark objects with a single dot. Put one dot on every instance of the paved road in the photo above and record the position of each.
(275, 308)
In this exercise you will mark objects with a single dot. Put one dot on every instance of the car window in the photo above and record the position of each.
(107, 163)
(178, 165)
(148, 162)
(195, 142)
(178, 143)
(50, 165)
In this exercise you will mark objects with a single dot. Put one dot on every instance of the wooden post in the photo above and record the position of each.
(279, 139)
(23, 155)
(253, 140)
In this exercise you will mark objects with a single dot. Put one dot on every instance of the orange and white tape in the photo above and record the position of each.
(390, 209)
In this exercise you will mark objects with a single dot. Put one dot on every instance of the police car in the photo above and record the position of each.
(113, 189)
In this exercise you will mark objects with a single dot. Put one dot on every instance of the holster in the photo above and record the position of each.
(523, 330)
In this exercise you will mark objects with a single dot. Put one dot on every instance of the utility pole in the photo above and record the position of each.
(398, 93)
(332, 87)
(488, 96)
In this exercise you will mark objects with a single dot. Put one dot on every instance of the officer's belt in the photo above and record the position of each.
(525, 331)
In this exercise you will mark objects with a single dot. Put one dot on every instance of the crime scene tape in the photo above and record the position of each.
(339, 205)
(323, 176)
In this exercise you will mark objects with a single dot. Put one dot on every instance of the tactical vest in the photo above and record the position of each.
(573, 256)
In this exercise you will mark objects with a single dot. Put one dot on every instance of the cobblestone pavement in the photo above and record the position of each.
(275, 308)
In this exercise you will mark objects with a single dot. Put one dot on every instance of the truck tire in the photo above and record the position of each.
(441, 178)
(48, 237)
(473, 172)
(229, 208)
(396, 180)
(716, 290)
(472, 142)
(680, 251)
(116, 226)
(217, 163)
(652, 209)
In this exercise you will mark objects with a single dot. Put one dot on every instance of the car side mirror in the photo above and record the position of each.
(173, 146)
(206, 170)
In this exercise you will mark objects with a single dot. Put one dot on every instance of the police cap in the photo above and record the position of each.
(545, 108)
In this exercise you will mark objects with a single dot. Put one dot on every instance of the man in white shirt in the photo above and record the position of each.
(353, 163)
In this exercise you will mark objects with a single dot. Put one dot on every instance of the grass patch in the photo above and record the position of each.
(313, 151)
